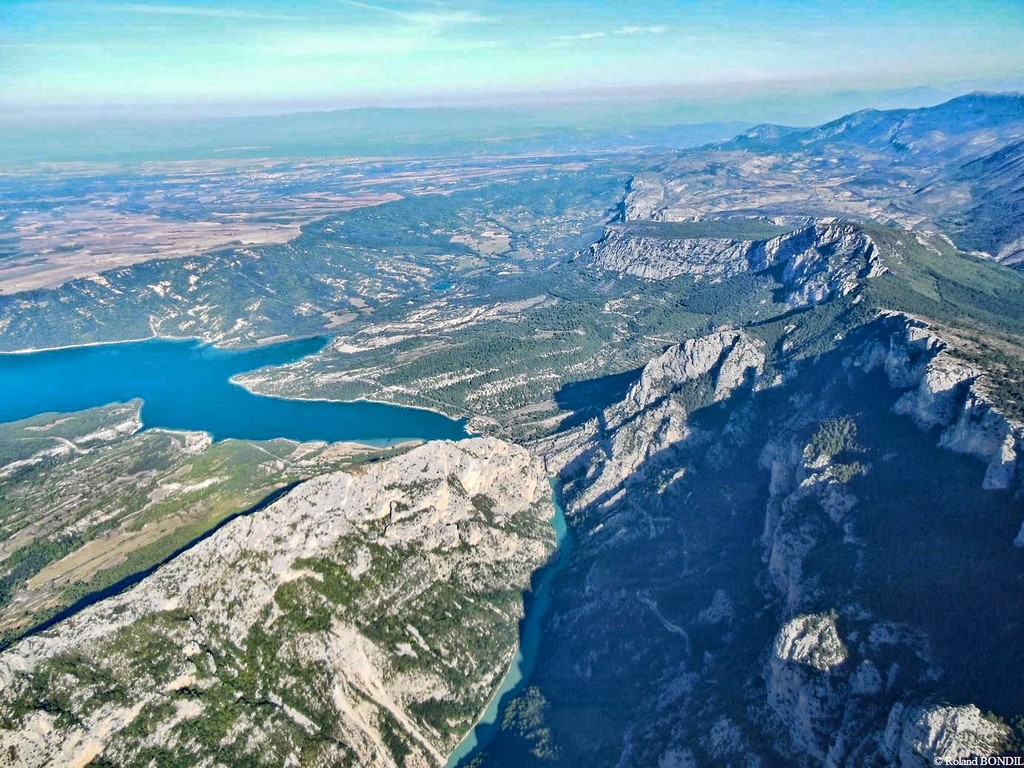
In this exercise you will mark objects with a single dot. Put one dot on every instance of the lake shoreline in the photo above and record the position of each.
(190, 386)
(207, 343)
(163, 337)
(370, 400)
(84, 344)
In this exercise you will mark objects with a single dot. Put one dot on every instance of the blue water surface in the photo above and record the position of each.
(186, 385)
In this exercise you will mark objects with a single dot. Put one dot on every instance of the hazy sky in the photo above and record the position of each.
(349, 52)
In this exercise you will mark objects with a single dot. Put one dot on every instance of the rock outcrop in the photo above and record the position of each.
(811, 640)
(803, 695)
(610, 450)
(921, 736)
(645, 194)
(944, 393)
(663, 489)
(819, 262)
(365, 617)
(808, 501)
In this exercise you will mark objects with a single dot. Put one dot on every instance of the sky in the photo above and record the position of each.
(252, 55)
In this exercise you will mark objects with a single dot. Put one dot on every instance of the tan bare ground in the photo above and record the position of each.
(43, 591)
(82, 242)
(106, 552)
(272, 339)
(546, 406)
(51, 425)
(337, 319)
(490, 242)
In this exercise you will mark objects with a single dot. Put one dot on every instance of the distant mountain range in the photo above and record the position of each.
(389, 133)
(963, 125)
(957, 165)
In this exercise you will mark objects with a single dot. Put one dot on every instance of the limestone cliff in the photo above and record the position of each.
(657, 484)
(645, 194)
(939, 735)
(830, 710)
(628, 441)
(816, 263)
(944, 393)
(804, 694)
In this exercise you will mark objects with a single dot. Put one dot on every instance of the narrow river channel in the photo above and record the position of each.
(530, 630)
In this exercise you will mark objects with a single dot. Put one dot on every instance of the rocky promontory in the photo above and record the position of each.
(364, 618)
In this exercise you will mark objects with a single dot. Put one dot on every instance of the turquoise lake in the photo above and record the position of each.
(186, 385)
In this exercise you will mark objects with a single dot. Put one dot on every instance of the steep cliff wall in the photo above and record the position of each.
(823, 261)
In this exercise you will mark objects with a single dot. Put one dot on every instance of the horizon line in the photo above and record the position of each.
(682, 96)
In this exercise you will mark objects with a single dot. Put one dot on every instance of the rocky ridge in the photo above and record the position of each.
(916, 737)
(90, 497)
(953, 168)
(809, 504)
(363, 618)
(822, 261)
(608, 451)
(644, 196)
(944, 393)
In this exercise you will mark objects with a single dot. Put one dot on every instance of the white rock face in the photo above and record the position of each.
(614, 449)
(657, 259)
(944, 393)
(802, 694)
(811, 640)
(982, 431)
(936, 399)
(908, 353)
(645, 195)
(790, 531)
(468, 519)
(939, 735)
(733, 354)
(819, 262)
